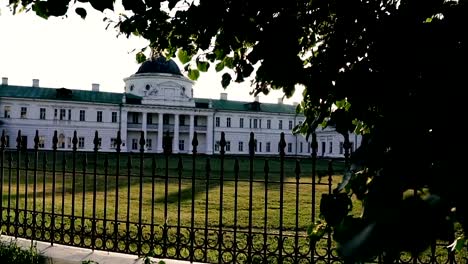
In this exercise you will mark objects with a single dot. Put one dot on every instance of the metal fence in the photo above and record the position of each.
(216, 209)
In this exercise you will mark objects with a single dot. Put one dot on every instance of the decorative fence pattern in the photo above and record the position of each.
(216, 209)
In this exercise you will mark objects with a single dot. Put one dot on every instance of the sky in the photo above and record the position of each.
(74, 53)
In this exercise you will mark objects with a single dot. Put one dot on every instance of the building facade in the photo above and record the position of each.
(158, 101)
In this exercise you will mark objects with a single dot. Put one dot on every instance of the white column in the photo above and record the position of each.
(175, 140)
(191, 130)
(209, 134)
(144, 122)
(159, 147)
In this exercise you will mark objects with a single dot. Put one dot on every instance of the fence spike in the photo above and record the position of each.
(36, 140)
(222, 144)
(252, 144)
(118, 141)
(18, 140)
(3, 140)
(75, 140)
(282, 144)
(54, 141)
(194, 142)
(96, 141)
(142, 141)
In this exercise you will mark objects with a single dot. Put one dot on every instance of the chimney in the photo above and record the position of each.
(35, 83)
(280, 100)
(95, 87)
(257, 98)
(223, 96)
(4, 81)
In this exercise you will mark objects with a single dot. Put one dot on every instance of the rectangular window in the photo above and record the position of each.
(99, 116)
(280, 124)
(41, 142)
(7, 111)
(217, 146)
(330, 147)
(99, 144)
(217, 122)
(69, 114)
(134, 143)
(42, 113)
(300, 147)
(149, 143)
(289, 147)
(341, 147)
(135, 118)
(81, 142)
(250, 123)
(55, 113)
(255, 123)
(308, 147)
(259, 123)
(113, 143)
(24, 142)
(24, 112)
(241, 122)
(149, 118)
(182, 120)
(114, 117)
(62, 114)
(268, 124)
(181, 144)
(290, 124)
(82, 115)
(195, 120)
(69, 142)
(259, 146)
(228, 122)
(268, 147)
(165, 120)
(228, 145)
(241, 146)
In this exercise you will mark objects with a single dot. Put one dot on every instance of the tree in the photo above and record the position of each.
(391, 70)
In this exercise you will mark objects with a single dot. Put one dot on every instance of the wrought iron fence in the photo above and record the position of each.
(216, 209)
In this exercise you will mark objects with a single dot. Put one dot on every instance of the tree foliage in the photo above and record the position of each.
(391, 70)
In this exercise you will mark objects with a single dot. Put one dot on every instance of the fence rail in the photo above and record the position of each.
(217, 209)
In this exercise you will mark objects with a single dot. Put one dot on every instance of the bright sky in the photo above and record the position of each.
(74, 53)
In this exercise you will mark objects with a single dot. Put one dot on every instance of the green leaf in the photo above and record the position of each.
(81, 12)
(140, 57)
(101, 5)
(226, 80)
(193, 74)
(229, 62)
(41, 9)
(183, 56)
(220, 54)
(219, 67)
(203, 66)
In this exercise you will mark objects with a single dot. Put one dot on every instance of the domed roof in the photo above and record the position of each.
(159, 65)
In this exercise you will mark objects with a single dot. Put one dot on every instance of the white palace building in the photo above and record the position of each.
(157, 100)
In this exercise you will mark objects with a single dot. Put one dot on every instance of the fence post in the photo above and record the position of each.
(93, 220)
(282, 145)
(297, 171)
(179, 198)
(167, 147)
(252, 145)
(314, 146)
(192, 222)
(54, 166)
(236, 189)
(266, 170)
(222, 151)
(118, 143)
(73, 218)
(2, 157)
(18, 158)
(207, 189)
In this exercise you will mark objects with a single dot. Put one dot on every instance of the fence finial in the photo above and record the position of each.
(18, 140)
(54, 140)
(118, 141)
(282, 144)
(36, 140)
(96, 141)
(194, 142)
(252, 144)
(222, 144)
(142, 141)
(3, 140)
(75, 140)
